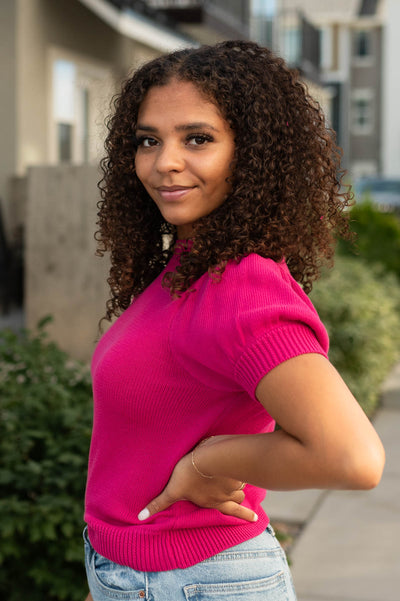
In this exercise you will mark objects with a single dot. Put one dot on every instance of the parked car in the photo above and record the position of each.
(384, 192)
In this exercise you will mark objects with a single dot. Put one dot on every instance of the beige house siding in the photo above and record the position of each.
(8, 104)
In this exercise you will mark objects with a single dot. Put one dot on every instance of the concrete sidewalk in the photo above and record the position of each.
(349, 547)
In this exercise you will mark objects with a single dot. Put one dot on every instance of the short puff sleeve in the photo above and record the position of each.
(230, 333)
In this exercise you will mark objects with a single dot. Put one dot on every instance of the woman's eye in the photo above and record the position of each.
(199, 139)
(146, 142)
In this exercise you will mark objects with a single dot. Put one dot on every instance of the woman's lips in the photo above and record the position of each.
(174, 192)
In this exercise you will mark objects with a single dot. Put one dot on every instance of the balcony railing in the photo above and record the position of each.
(229, 16)
(165, 4)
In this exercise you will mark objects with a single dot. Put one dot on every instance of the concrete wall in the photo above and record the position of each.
(63, 276)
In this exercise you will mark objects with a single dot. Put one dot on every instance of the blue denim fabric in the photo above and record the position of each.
(255, 570)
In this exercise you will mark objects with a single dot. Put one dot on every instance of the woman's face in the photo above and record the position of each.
(185, 153)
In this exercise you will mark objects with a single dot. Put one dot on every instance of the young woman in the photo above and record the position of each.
(221, 197)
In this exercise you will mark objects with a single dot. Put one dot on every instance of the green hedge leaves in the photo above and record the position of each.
(45, 425)
(377, 237)
(359, 302)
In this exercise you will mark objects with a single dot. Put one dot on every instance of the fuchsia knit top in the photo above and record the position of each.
(170, 372)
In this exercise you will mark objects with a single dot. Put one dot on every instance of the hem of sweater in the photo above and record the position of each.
(136, 547)
(277, 346)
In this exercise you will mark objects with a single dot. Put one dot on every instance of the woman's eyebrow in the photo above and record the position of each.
(183, 127)
(146, 128)
(196, 125)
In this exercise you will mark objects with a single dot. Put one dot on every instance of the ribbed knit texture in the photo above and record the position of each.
(169, 373)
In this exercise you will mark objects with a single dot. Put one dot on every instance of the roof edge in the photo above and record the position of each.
(138, 27)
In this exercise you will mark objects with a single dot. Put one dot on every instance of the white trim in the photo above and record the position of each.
(367, 22)
(137, 27)
(334, 77)
(326, 48)
(344, 50)
(391, 92)
(361, 169)
(349, 20)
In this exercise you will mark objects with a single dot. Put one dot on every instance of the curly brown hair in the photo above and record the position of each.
(287, 199)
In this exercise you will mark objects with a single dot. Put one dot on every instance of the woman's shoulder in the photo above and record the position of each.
(255, 313)
(258, 267)
(261, 277)
(254, 291)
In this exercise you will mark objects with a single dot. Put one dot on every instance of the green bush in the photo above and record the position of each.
(45, 423)
(360, 306)
(378, 237)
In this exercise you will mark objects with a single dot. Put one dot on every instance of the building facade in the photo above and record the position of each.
(351, 68)
(62, 60)
(208, 21)
(60, 63)
(391, 91)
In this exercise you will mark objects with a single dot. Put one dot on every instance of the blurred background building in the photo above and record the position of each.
(62, 60)
(352, 45)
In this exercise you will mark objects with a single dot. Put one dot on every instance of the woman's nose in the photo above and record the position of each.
(170, 158)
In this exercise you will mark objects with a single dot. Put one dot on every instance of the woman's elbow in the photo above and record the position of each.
(365, 467)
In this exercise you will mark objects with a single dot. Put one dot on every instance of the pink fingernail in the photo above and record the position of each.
(255, 517)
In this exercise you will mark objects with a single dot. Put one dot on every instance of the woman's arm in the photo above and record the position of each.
(325, 441)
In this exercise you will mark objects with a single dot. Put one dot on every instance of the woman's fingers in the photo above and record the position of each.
(237, 496)
(238, 511)
(228, 507)
(186, 483)
(163, 501)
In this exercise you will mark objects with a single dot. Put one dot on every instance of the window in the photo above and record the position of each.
(292, 45)
(362, 112)
(64, 142)
(363, 43)
(264, 7)
(80, 98)
(368, 7)
(64, 74)
(262, 22)
(363, 47)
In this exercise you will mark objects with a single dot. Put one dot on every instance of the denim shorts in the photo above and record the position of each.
(255, 570)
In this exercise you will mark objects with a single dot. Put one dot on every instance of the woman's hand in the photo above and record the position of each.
(325, 441)
(189, 483)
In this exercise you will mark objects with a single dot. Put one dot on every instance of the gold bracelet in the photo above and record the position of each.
(197, 469)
